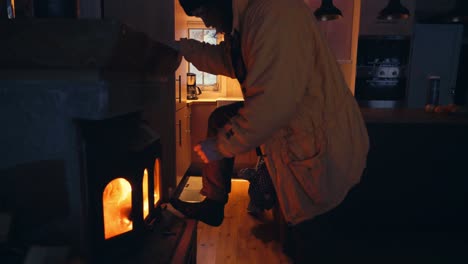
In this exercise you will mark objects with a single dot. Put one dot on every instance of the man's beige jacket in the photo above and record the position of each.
(298, 107)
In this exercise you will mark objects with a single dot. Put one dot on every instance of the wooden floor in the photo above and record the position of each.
(241, 238)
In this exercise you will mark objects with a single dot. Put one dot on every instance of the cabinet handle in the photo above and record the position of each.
(180, 132)
(180, 89)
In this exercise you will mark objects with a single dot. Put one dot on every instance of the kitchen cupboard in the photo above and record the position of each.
(180, 91)
(342, 35)
(441, 58)
(183, 142)
(198, 124)
(181, 22)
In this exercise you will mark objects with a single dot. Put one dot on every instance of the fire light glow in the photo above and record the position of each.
(145, 194)
(117, 202)
(117, 207)
(157, 177)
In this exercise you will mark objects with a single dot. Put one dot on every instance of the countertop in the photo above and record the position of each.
(216, 100)
(413, 116)
(379, 115)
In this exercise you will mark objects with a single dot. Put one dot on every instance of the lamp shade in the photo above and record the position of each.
(327, 11)
(460, 13)
(394, 10)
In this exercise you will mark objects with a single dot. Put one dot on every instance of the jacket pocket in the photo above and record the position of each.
(310, 174)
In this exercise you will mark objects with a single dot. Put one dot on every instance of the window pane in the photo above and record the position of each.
(196, 34)
(209, 79)
(204, 80)
(209, 36)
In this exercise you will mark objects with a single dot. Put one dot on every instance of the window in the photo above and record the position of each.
(206, 81)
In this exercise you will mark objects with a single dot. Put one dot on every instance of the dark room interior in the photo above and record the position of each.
(99, 120)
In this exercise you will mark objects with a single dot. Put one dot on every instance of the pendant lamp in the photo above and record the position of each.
(393, 11)
(460, 13)
(327, 11)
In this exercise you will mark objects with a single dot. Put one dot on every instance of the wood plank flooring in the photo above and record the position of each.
(242, 238)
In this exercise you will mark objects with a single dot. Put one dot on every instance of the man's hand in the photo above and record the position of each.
(208, 151)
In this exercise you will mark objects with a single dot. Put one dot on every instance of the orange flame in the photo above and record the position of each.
(117, 202)
(117, 207)
(145, 194)
(157, 179)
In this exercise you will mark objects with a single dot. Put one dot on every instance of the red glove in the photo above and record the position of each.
(208, 151)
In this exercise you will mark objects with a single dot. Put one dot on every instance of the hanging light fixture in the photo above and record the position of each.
(327, 11)
(394, 10)
(459, 14)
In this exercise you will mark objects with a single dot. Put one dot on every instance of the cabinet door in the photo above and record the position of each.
(440, 58)
(200, 112)
(181, 21)
(186, 140)
(180, 92)
(183, 142)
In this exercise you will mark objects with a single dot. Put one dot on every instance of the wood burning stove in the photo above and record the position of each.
(93, 96)
(121, 181)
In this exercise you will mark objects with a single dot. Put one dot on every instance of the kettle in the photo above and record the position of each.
(192, 89)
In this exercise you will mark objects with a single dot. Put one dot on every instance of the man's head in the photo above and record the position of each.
(214, 13)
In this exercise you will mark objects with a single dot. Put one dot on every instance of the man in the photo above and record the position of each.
(297, 108)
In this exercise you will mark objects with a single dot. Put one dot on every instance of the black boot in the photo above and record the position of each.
(208, 211)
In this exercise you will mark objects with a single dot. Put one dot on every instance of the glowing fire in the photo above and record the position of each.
(157, 176)
(117, 207)
(145, 194)
(117, 202)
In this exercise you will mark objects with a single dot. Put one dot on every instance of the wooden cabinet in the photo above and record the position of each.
(441, 58)
(200, 112)
(183, 142)
(181, 21)
(180, 91)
